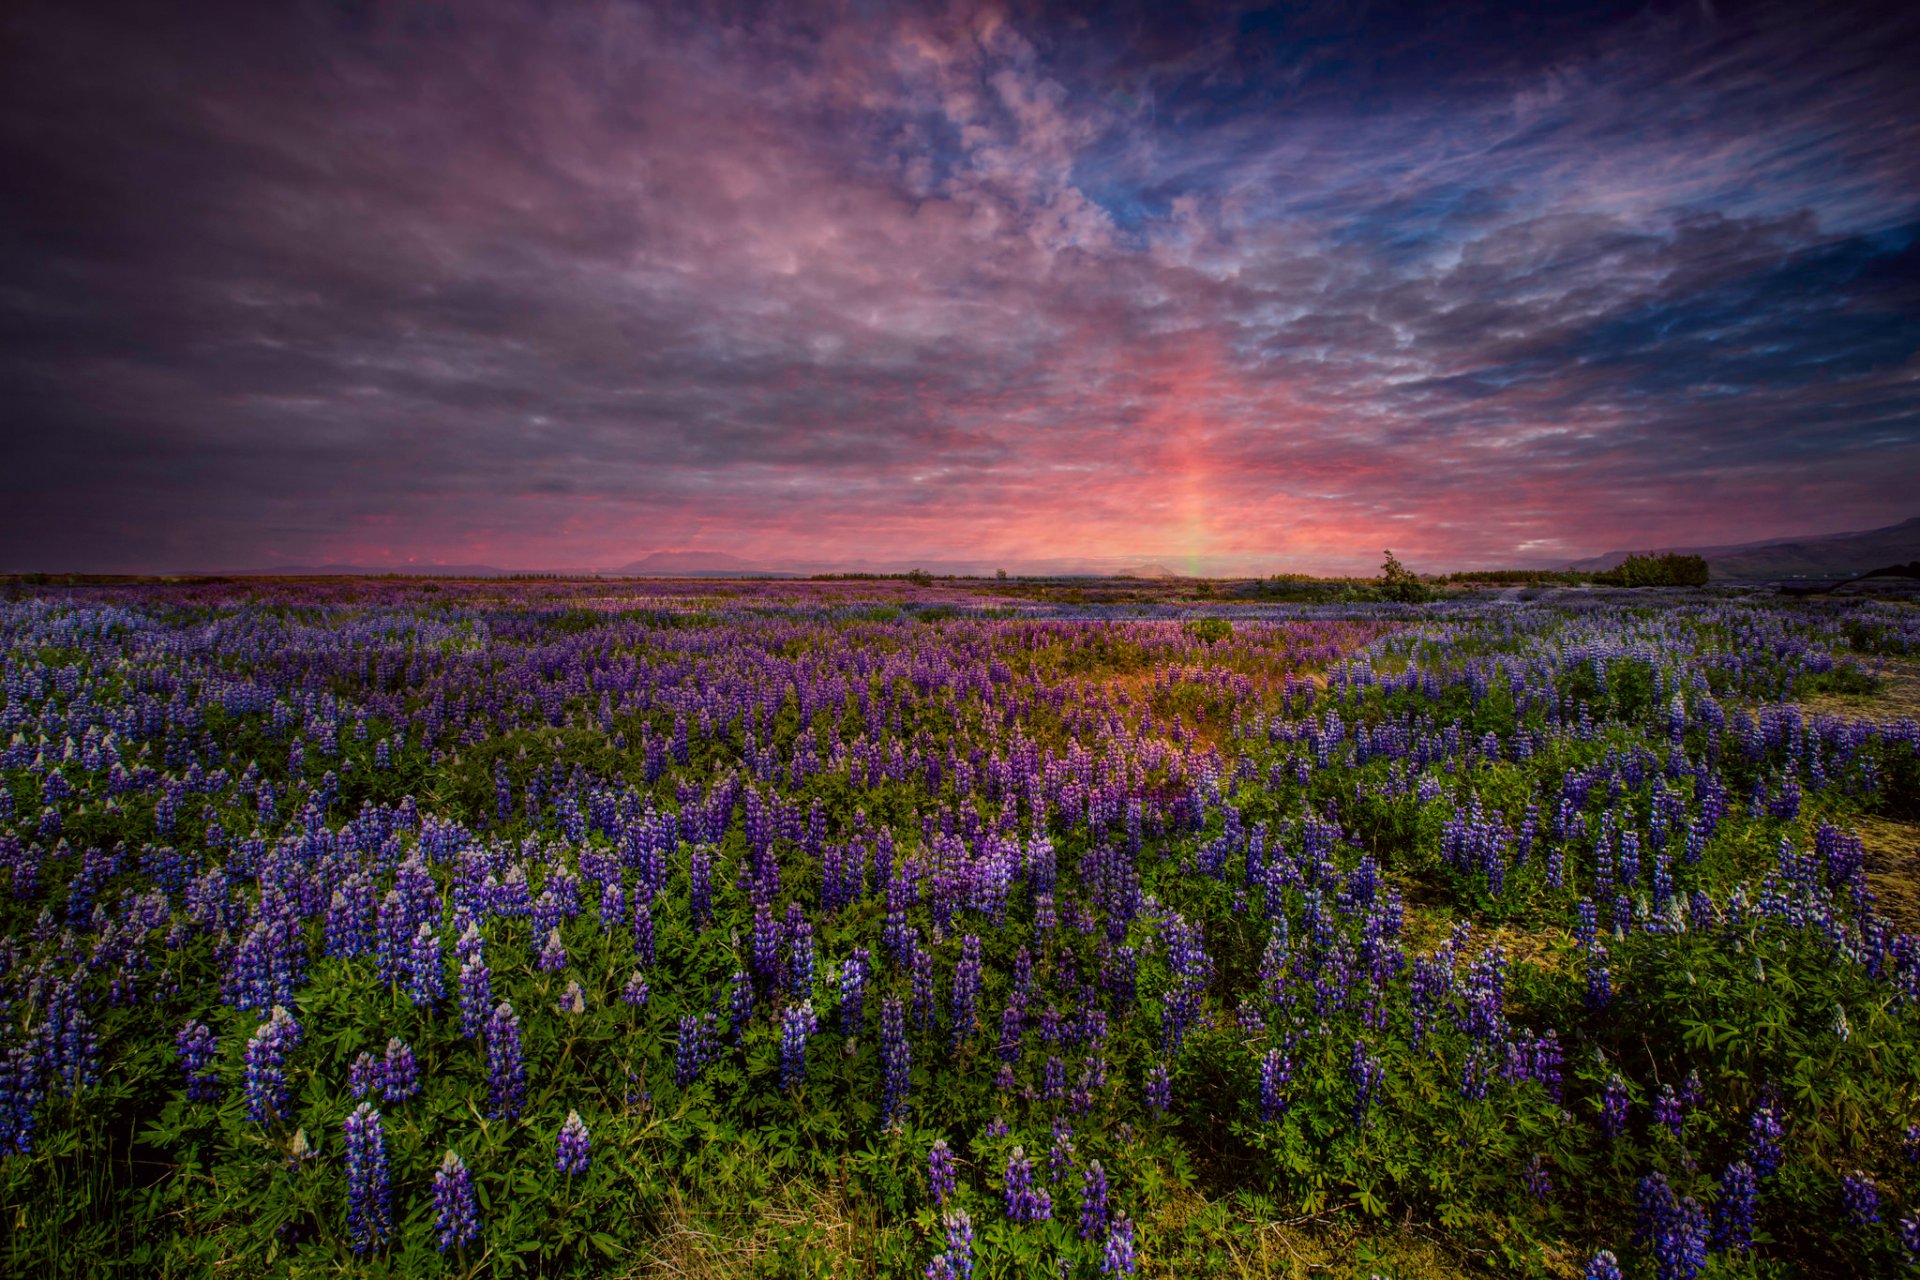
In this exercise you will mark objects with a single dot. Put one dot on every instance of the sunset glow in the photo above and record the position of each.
(1220, 290)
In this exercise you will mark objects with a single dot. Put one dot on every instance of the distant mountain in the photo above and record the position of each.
(1836, 555)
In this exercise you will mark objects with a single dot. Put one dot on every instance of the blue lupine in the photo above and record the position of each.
(1674, 1226)
(1118, 1258)
(197, 1046)
(1613, 1106)
(694, 1047)
(1602, 1266)
(643, 950)
(1733, 1214)
(1276, 1071)
(896, 1060)
(369, 1195)
(1093, 1202)
(966, 991)
(1861, 1198)
(853, 990)
(940, 1172)
(573, 1149)
(1539, 1185)
(1366, 1074)
(796, 1024)
(364, 1075)
(476, 997)
(426, 976)
(955, 1262)
(1025, 1202)
(400, 1079)
(1159, 1088)
(506, 1064)
(1666, 1110)
(1763, 1141)
(22, 1085)
(267, 1090)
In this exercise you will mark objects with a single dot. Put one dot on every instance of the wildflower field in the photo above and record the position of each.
(469, 928)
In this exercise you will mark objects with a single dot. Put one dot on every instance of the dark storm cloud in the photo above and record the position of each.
(541, 287)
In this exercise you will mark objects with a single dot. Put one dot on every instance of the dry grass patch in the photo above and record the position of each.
(1893, 865)
(1897, 698)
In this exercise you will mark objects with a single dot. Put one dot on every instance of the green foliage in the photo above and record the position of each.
(1209, 631)
(1668, 570)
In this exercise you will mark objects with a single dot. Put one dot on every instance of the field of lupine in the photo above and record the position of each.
(792, 929)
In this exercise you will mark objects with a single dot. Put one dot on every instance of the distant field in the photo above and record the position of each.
(873, 927)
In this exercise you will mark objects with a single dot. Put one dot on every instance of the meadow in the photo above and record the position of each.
(394, 927)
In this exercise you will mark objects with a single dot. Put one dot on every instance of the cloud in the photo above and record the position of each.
(1253, 288)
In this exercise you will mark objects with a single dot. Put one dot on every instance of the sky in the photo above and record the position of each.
(1223, 288)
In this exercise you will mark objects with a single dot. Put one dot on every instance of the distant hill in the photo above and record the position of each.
(1836, 555)
(370, 570)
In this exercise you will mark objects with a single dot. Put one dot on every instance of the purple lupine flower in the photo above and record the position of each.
(1602, 1266)
(197, 1045)
(636, 992)
(268, 1093)
(1674, 1226)
(1910, 1144)
(426, 977)
(643, 951)
(1667, 1112)
(1733, 1214)
(400, 1077)
(796, 1024)
(506, 1064)
(940, 1172)
(700, 886)
(694, 1047)
(853, 991)
(573, 1149)
(22, 1085)
(456, 1213)
(1366, 1073)
(1910, 1238)
(1276, 1071)
(740, 1005)
(1599, 978)
(896, 1060)
(1538, 1184)
(363, 1076)
(966, 990)
(1118, 1259)
(476, 997)
(956, 1261)
(553, 955)
(1159, 1088)
(1861, 1198)
(1053, 1078)
(1093, 1202)
(369, 1195)
(1061, 1159)
(1763, 1141)
(800, 956)
(1613, 1106)
(1025, 1202)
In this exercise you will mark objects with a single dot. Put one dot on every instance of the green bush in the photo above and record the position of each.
(1659, 571)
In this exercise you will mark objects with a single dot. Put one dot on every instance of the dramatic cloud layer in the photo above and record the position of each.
(559, 285)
